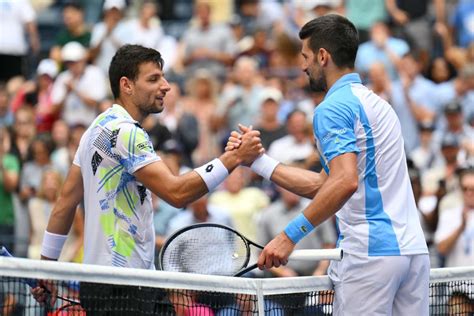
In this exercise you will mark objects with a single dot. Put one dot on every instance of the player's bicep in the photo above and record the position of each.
(335, 130)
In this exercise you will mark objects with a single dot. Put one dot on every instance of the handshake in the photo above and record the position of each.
(245, 144)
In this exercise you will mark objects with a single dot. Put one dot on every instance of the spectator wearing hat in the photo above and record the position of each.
(445, 173)
(456, 125)
(75, 30)
(79, 89)
(106, 35)
(269, 126)
(427, 154)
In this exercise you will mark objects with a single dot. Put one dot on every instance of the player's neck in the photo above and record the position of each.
(335, 74)
(132, 109)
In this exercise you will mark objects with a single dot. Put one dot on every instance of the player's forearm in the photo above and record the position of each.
(299, 181)
(332, 195)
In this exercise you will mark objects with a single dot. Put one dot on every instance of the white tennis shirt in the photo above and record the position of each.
(380, 219)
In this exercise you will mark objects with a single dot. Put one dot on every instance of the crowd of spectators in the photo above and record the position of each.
(242, 67)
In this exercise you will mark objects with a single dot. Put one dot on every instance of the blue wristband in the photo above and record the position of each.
(298, 228)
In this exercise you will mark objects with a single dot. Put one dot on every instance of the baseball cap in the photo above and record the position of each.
(118, 4)
(73, 51)
(450, 140)
(453, 107)
(426, 126)
(47, 67)
(271, 94)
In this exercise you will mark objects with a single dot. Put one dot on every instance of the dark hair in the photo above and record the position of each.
(334, 33)
(126, 63)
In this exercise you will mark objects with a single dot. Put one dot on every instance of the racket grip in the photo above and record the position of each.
(317, 254)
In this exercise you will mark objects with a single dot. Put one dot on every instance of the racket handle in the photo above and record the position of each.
(316, 254)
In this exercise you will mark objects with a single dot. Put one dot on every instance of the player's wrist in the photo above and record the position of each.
(212, 173)
(298, 228)
(264, 166)
(52, 245)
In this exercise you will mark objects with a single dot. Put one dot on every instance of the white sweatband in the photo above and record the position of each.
(213, 173)
(52, 245)
(264, 166)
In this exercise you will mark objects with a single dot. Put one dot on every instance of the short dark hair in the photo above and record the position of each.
(126, 63)
(334, 33)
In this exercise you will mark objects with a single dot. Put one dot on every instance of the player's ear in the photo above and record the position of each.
(126, 86)
(323, 57)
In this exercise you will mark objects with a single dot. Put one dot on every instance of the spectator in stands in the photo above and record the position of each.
(456, 125)
(78, 90)
(9, 179)
(40, 207)
(24, 131)
(75, 30)
(414, 21)
(207, 44)
(455, 234)
(450, 147)
(364, 14)
(383, 48)
(105, 36)
(269, 126)
(462, 23)
(396, 93)
(427, 155)
(6, 115)
(460, 304)
(243, 203)
(37, 94)
(428, 216)
(199, 211)
(201, 102)
(16, 17)
(239, 101)
(296, 146)
(275, 218)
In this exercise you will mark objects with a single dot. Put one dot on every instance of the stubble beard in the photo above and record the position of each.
(318, 84)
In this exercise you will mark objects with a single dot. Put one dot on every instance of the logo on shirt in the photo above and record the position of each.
(333, 132)
(146, 145)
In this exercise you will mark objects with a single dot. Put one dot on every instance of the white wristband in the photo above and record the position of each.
(213, 173)
(264, 166)
(52, 245)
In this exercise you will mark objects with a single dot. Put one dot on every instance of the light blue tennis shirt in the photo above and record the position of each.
(380, 219)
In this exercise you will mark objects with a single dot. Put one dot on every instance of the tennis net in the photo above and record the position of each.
(100, 290)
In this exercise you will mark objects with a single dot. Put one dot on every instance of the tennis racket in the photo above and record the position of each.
(210, 248)
(34, 283)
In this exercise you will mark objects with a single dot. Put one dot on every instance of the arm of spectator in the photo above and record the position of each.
(10, 172)
(432, 218)
(32, 30)
(419, 112)
(399, 16)
(446, 245)
(55, 54)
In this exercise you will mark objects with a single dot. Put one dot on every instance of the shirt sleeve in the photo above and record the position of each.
(134, 148)
(334, 128)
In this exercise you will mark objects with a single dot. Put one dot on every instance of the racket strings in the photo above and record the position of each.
(205, 250)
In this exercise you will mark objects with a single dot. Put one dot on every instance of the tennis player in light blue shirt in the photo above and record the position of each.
(365, 183)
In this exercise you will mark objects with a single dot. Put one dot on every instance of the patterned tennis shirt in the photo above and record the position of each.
(119, 228)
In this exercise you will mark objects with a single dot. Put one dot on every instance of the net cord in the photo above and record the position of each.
(27, 268)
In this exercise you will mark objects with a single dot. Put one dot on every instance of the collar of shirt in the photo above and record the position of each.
(121, 110)
(344, 80)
